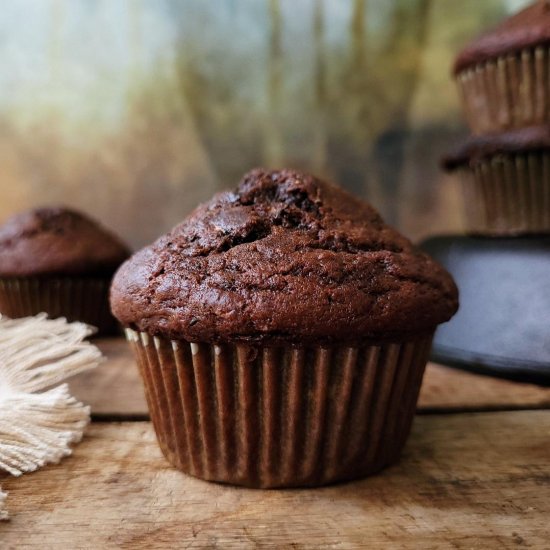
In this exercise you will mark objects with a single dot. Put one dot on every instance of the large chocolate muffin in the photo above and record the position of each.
(506, 181)
(503, 74)
(282, 331)
(58, 261)
(284, 258)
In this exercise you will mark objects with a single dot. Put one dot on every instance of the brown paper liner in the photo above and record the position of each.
(508, 194)
(280, 417)
(76, 299)
(510, 92)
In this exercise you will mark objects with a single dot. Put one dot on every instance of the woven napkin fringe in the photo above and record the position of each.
(3, 511)
(39, 422)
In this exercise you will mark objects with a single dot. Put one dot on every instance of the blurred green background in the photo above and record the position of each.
(136, 110)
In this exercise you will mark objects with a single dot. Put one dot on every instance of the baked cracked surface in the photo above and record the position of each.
(284, 257)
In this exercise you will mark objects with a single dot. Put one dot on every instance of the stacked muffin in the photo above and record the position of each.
(504, 80)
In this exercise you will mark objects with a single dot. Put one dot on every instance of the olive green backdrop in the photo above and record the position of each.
(136, 110)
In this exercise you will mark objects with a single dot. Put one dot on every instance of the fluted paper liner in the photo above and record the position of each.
(280, 417)
(508, 194)
(75, 298)
(512, 91)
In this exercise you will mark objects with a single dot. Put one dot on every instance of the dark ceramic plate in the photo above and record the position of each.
(503, 325)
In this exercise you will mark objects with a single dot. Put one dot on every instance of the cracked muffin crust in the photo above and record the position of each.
(288, 258)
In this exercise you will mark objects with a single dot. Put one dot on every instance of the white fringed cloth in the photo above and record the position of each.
(39, 419)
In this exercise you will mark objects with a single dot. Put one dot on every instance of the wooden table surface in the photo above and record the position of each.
(475, 474)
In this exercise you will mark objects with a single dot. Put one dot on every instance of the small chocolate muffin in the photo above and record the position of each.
(503, 74)
(282, 331)
(58, 261)
(506, 181)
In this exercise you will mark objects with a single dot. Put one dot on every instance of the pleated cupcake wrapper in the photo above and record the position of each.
(508, 194)
(77, 299)
(510, 92)
(280, 417)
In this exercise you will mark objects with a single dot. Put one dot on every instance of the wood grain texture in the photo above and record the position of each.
(445, 388)
(115, 389)
(465, 481)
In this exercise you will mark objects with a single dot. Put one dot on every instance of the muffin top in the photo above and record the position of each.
(283, 258)
(476, 149)
(57, 241)
(526, 29)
